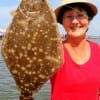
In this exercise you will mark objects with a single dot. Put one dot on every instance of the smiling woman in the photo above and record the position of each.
(79, 77)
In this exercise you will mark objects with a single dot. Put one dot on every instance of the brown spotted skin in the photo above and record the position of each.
(32, 46)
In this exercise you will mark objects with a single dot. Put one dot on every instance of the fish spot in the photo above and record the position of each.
(14, 71)
(23, 47)
(39, 60)
(42, 76)
(34, 58)
(29, 65)
(38, 25)
(23, 68)
(40, 50)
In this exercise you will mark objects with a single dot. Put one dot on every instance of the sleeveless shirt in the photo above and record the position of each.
(77, 82)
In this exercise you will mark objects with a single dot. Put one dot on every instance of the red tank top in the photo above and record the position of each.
(77, 82)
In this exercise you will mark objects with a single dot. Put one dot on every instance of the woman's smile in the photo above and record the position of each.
(75, 22)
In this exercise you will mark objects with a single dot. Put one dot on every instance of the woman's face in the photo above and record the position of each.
(75, 22)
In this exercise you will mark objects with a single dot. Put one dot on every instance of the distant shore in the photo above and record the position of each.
(88, 37)
(93, 37)
(63, 37)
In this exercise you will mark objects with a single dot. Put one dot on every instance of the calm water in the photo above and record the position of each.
(8, 90)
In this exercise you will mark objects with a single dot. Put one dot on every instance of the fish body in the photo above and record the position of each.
(32, 47)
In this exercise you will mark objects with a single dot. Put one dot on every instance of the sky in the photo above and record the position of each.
(7, 6)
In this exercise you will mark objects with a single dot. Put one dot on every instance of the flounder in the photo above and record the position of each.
(32, 47)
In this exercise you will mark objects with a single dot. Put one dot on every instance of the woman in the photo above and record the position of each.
(79, 77)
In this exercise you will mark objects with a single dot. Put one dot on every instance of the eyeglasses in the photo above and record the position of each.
(80, 16)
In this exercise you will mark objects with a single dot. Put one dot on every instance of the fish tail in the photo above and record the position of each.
(26, 98)
(26, 95)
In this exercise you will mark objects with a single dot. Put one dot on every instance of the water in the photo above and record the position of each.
(8, 89)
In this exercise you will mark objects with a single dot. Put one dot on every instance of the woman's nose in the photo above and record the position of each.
(75, 20)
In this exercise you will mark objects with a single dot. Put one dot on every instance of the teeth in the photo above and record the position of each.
(75, 28)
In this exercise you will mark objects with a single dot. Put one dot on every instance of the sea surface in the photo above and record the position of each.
(8, 89)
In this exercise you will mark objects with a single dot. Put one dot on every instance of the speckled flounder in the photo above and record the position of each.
(32, 46)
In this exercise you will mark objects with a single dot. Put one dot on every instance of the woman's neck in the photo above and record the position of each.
(79, 50)
(77, 43)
